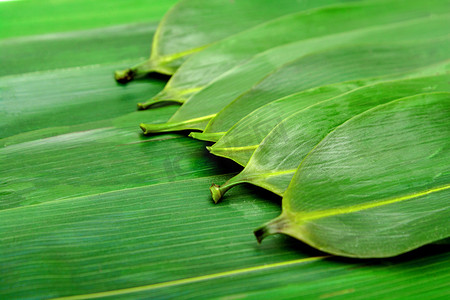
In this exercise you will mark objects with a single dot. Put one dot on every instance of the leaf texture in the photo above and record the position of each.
(92, 209)
(240, 142)
(277, 158)
(387, 172)
(206, 66)
(193, 25)
(410, 31)
(321, 68)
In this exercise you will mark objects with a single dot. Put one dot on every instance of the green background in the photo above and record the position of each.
(90, 207)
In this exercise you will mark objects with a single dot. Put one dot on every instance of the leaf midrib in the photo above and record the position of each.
(359, 207)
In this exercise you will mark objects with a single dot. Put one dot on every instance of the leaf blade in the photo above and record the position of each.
(201, 69)
(191, 26)
(412, 208)
(342, 64)
(279, 155)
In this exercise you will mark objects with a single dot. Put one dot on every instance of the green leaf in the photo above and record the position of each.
(27, 104)
(410, 31)
(317, 69)
(97, 231)
(276, 159)
(25, 54)
(28, 18)
(376, 186)
(241, 141)
(193, 25)
(238, 144)
(206, 66)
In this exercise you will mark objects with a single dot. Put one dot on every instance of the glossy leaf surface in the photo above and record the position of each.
(378, 185)
(410, 31)
(239, 143)
(135, 220)
(193, 25)
(25, 54)
(321, 68)
(203, 68)
(43, 18)
(277, 158)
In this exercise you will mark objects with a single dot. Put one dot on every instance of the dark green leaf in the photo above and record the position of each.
(116, 221)
(28, 18)
(127, 43)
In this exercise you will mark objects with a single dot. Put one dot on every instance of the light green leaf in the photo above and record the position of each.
(204, 67)
(239, 143)
(410, 31)
(321, 68)
(376, 186)
(276, 159)
(193, 25)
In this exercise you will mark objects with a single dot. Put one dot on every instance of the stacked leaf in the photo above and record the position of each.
(378, 185)
(340, 107)
(193, 25)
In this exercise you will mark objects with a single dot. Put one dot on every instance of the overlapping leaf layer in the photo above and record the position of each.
(339, 106)
(270, 94)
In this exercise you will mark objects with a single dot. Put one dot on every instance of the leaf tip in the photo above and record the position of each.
(260, 234)
(276, 225)
(143, 127)
(124, 76)
(216, 193)
(141, 106)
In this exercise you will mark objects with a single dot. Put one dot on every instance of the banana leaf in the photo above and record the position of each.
(317, 69)
(276, 159)
(192, 25)
(239, 143)
(204, 67)
(377, 186)
(409, 31)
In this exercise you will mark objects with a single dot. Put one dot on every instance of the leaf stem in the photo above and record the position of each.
(208, 137)
(217, 191)
(149, 103)
(274, 226)
(141, 70)
(129, 74)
